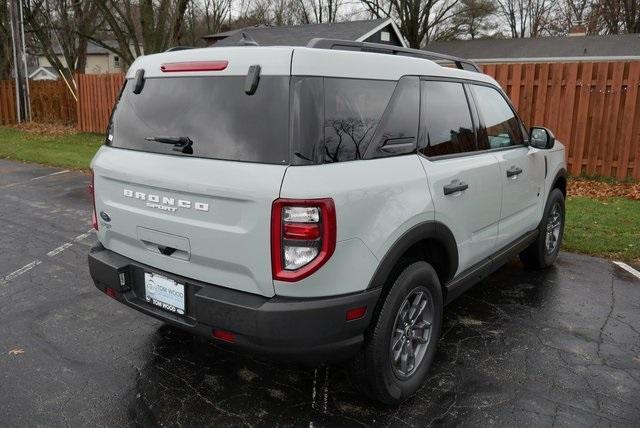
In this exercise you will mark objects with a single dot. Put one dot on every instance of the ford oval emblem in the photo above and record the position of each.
(105, 216)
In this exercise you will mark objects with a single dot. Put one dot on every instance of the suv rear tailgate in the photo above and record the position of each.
(210, 217)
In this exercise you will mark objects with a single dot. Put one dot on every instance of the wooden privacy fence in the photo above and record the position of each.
(51, 102)
(593, 108)
(97, 94)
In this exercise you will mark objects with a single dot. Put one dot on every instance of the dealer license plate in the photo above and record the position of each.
(164, 292)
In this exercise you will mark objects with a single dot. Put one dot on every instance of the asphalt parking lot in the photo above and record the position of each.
(559, 347)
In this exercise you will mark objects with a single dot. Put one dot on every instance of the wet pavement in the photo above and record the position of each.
(558, 347)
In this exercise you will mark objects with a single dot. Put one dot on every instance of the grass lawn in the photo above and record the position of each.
(69, 150)
(608, 228)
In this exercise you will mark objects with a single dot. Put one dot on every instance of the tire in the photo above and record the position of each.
(542, 253)
(374, 370)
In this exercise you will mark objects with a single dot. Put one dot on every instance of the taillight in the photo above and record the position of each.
(92, 190)
(303, 237)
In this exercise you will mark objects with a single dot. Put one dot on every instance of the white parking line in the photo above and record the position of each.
(17, 273)
(6, 186)
(36, 262)
(628, 268)
(60, 249)
(83, 236)
(50, 175)
(66, 245)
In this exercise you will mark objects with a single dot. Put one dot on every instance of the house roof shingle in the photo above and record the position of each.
(299, 35)
(620, 45)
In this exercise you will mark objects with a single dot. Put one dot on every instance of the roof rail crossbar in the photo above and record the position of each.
(179, 48)
(348, 45)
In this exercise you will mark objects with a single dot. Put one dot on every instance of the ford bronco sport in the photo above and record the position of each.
(321, 202)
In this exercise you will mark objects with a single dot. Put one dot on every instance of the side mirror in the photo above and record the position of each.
(541, 138)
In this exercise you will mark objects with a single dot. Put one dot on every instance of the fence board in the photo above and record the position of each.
(631, 113)
(611, 132)
(514, 89)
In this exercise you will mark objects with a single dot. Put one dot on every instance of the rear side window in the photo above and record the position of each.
(352, 110)
(214, 112)
(446, 119)
(501, 126)
(399, 124)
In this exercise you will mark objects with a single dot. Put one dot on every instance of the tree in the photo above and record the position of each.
(526, 18)
(6, 54)
(619, 16)
(474, 18)
(420, 21)
(148, 26)
(40, 21)
(318, 11)
(215, 12)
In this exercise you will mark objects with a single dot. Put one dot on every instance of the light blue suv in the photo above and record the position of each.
(318, 203)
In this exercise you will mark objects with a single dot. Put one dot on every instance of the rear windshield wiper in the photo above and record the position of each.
(182, 144)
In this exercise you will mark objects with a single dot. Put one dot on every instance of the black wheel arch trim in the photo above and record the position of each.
(562, 173)
(420, 232)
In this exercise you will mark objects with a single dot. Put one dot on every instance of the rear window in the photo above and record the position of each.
(214, 112)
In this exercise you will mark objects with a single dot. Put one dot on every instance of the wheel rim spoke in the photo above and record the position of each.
(397, 339)
(422, 324)
(404, 361)
(415, 306)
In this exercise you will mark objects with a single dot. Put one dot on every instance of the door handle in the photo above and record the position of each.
(514, 171)
(455, 186)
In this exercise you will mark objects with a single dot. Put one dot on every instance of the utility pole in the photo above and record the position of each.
(19, 61)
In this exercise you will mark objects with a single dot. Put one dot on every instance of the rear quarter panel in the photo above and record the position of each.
(376, 202)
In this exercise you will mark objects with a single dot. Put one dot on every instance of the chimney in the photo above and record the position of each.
(577, 30)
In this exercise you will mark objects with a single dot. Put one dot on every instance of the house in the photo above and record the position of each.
(99, 61)
(377, 31)
(575, 47)
(43, 73)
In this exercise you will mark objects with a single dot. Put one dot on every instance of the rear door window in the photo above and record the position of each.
(501, 128)
(446, 122)
(214, 112)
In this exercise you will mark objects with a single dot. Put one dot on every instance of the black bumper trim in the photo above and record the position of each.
(310, 330)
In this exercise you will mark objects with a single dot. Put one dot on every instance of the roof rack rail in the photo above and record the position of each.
(179, 48)
(348, 45)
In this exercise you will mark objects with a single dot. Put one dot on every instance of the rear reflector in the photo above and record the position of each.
(356, 313)
(92, 191)
(111, 292)
(301, 231)
(171, 67)
(224, 335)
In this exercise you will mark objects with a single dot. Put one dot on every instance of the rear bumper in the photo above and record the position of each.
(305, 330)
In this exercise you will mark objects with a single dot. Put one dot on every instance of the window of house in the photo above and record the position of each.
(501, 126)
(446, 119)
(385, 36)
(116, 61)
